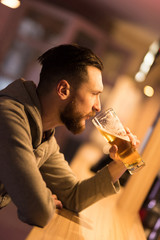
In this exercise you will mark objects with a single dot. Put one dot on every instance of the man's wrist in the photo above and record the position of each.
(116, 170)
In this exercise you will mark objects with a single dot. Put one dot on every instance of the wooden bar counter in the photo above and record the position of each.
(112, 218)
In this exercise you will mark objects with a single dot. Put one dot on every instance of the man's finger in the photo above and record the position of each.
(58, 204)
(54, 196)
(113, 152)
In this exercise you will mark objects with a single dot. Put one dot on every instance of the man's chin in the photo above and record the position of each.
(77, 130)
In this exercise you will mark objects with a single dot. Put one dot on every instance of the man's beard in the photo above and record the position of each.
(72, 118)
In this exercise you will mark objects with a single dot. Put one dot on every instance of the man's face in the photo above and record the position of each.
(84, 102)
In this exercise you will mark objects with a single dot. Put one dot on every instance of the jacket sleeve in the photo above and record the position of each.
(75, 195)
(18, 169)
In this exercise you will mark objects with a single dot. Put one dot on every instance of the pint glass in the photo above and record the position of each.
(111, 128)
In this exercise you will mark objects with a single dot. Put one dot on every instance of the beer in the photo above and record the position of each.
(128, 155)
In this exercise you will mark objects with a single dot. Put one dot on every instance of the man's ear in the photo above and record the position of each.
(63, 89)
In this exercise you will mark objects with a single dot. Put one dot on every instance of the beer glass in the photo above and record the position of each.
(111, 128)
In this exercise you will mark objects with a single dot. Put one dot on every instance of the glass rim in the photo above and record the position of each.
(101, 113)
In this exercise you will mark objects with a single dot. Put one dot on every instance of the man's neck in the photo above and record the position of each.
(49, 113)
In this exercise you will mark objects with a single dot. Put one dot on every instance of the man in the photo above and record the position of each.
(32, 170)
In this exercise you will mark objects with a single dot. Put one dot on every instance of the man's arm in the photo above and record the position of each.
(18, 167)
(74, 194)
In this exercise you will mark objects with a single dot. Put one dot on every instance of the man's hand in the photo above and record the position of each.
(57, 202)
(117, 168)
(114, 149)
(133, 138)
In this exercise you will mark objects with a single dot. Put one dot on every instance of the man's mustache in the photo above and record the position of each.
(92, 114)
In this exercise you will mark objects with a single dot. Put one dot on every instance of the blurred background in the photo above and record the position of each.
(124, 34)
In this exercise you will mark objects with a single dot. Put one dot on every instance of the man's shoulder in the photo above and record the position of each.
(7, 102)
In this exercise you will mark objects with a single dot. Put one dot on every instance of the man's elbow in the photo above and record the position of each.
(38, 218)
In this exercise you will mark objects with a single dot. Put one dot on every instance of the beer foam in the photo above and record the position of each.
(121, 134)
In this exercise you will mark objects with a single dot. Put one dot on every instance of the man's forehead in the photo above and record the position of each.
(95, 78)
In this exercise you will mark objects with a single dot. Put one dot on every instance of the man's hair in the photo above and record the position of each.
(69, 62)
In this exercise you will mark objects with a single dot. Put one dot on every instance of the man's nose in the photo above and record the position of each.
(97, 105)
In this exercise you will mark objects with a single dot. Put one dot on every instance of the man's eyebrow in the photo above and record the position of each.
(97, 92)
(100, 91)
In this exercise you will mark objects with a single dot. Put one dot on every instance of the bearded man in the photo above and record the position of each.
(32, 169)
